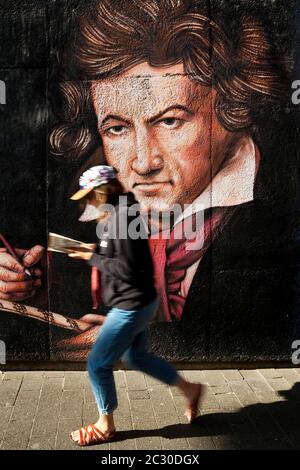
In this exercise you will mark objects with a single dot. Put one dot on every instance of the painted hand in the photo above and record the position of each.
(15, 284)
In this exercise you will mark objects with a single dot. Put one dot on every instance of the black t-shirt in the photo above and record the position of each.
(123, 257)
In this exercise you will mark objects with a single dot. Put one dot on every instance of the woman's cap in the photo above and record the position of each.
(93, 178)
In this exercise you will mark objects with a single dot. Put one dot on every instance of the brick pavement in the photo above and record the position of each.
(242, 409)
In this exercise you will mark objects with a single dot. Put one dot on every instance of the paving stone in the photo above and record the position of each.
(45, 423)
(122, 422)
(241, 425)
(171, 432)
(232, 375)
(32, 381)
(125, 439)
(152, 382)
(217, 427)
(270, 373)
(269, 397)
(279, 384)
(43, 437)
(244, 393)
(5, 414)
(73, 380)
(290, 375)
(220, 389)
(179, 403)
(175, 392)
(65, 426)
(162, 401)
(11, 375)
(88, 395)
(201, 443)
(140, 420)
(276, 444)
(122, 444)
(250, 442)
(27, 399)
(214, 377)
(141, 407)
(124, 403)
(147, 433)
(259, 385)
(135, 380)
(197, 376)
(214, 423)
(287, 418)
(120, 379)
(17, 433)
(138, 394)
(71, 404)
(149, 443)
(227, 442)
(228, 401)
(54, 374)
(264, 422)
(52, 385)
(51, 394)
(90, 412)
(209, 401)
(251, 374)
(9, 390)
(86, 380)
(197, 436)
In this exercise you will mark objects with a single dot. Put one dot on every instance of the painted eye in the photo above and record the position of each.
(116, 130)
(170, 122)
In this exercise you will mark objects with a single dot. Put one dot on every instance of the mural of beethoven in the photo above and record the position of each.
(177, 105)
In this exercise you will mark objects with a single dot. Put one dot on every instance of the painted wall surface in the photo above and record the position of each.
(199, 96)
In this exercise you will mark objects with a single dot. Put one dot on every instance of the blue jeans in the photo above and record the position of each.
(124, 336)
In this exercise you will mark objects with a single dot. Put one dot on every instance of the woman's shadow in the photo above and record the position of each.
(258, 426)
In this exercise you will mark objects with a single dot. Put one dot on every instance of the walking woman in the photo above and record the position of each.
(127, 289)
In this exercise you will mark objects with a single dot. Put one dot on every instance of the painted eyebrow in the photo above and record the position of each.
(154, 118)
(171, 108)
(113, 116)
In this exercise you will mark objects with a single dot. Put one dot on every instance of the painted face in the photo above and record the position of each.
(159, 130)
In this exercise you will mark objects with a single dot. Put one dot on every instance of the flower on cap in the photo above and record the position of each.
(96, 176)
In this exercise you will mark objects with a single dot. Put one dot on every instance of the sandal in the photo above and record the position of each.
(90, 434)
(191, 411)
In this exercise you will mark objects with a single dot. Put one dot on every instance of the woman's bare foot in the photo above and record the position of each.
(193, 393)
(192, 408)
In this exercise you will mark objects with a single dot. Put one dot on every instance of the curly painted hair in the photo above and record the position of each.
(115, 35)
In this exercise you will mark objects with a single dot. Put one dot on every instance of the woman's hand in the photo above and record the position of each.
(84, 255)
(80, 255)
(15, 284)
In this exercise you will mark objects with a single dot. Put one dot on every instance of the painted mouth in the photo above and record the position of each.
(151, 187)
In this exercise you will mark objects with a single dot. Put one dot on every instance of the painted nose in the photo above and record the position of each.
(144, 167)
(147, 157)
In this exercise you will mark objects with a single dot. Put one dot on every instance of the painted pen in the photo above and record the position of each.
(13, 253)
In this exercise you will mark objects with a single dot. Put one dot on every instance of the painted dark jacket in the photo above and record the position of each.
(244, 299)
